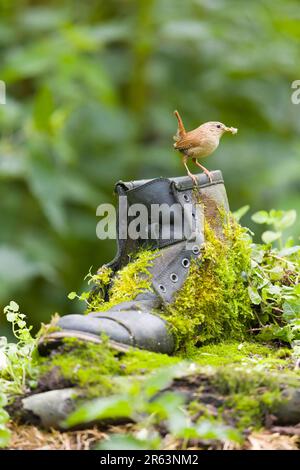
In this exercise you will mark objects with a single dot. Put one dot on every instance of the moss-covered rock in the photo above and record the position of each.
(240, 383)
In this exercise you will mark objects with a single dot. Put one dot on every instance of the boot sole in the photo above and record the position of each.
(55, 339)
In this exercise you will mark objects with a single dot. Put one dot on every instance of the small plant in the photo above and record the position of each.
(274, 287)
(17, 357)
(15, 364)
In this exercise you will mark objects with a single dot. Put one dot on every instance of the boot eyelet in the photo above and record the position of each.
(174, 277)
(196, 250)
(185, 262)
(186, 197)
(162, 288)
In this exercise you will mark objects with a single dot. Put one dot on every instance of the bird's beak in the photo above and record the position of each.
(233, 130)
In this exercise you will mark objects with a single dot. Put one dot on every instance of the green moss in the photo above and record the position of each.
(95, 368)
(130, 281)
(142, 362)
(241, 396)
(213, 303)
(250, 394)
(85, 365)
(233, 352)
(101, 280)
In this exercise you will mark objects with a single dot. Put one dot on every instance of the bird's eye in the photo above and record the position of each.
(219, 126)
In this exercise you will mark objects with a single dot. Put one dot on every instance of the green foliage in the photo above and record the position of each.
(279, 220)
(16, 369)
(274, 286)
(144, 405)
(16, 357)
(244, 283)
(90, 95)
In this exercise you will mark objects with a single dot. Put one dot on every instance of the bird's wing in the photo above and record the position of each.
(191, 139)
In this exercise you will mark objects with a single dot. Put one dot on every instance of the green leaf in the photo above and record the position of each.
(210, 430)
(260, 217)
(103, 408)
(240, 212)
(43, 109)
(3, 400)
(254, 295)
(4, 436)
(11, 316)
(291, 310)
(288, 251)
(125, 442)
(287, 220)
(269, 236)
(4, 416)
(13, 306)
(72, 295)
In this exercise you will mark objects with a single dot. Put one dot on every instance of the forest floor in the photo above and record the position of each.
(238, 384)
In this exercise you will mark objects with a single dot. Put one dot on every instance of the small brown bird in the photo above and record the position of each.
(199, 143)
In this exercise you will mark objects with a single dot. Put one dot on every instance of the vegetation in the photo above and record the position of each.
(91, 87)
(140, 386)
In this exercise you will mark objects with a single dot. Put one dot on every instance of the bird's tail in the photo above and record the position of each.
(181, 130)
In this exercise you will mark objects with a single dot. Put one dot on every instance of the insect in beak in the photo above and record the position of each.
(233, 130)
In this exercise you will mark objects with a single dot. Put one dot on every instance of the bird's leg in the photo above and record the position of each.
(203, 169)
(193, 177)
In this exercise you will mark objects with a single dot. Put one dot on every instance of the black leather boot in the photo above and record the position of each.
(136, 323)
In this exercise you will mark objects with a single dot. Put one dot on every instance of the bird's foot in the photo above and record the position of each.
(194, 178)
(208, 174)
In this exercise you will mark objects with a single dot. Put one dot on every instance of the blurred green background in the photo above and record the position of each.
(91, 88)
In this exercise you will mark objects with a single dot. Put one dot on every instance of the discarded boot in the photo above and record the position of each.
(137, 323)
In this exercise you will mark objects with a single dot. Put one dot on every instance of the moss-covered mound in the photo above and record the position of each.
(239, 383)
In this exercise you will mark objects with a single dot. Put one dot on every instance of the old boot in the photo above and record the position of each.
(137, 323)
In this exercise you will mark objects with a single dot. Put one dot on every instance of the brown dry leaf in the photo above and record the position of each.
(265, 440)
